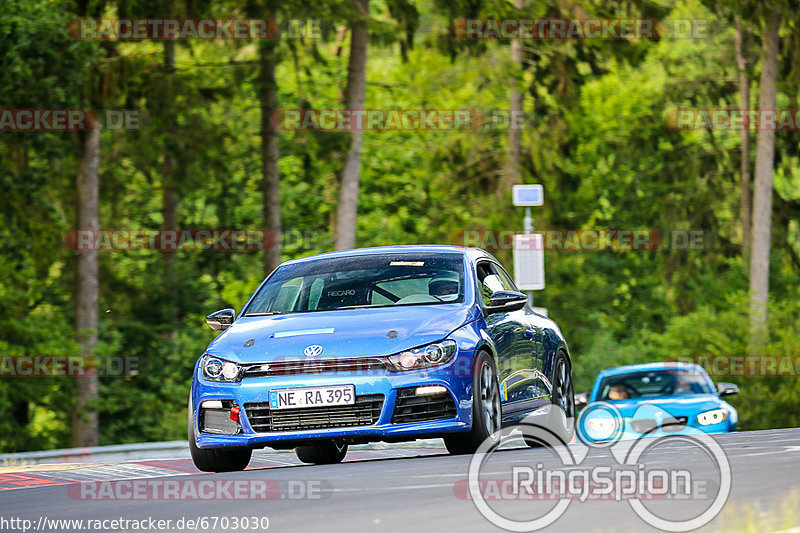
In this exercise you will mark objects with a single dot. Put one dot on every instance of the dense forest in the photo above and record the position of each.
(206, 147)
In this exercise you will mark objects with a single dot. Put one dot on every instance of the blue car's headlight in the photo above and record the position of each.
(215, 369)
(601, 428)
(426, 356)
(715, 416)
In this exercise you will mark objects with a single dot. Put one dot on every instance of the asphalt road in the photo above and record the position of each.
(396, 489)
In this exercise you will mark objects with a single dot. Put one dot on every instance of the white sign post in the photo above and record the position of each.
(529, 261)
(528, 195)
(529, 247)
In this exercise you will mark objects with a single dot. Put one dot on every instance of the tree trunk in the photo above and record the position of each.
(354, 100)
(762, 201)
(512, 174)
(169, 198)
(271, 180)
(84, 418)
(744, 96)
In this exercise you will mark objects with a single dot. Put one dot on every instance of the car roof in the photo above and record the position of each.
(471, 253)
(644, 367)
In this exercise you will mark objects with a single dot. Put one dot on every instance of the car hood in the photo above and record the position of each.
(342, 333)
(674, 405)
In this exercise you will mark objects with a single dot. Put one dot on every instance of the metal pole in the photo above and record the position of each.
(528, 221)
(528, 225)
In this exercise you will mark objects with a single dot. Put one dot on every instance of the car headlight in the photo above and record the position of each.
(426, 356)
(602, 425)
(715, 416)
(215, 369)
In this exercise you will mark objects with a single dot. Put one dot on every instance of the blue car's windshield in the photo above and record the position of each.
(666, 382)
(373, 280)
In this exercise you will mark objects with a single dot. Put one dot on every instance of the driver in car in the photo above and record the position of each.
(682, 386)
(443, 285)
(618, 392)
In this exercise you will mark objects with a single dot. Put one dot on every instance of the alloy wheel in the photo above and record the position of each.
(490, 399)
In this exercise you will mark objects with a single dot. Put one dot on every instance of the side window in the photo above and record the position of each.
(505, 279)
(493, 283)
(315, 293)
(483, 269)
(492, 278)
(487, 281)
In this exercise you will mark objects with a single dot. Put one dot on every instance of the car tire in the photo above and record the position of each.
(216, 459)
(560, 421)
(322, 453)
(486, 409)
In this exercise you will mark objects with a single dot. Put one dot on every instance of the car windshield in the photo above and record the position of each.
(666, 382)
(371, 280)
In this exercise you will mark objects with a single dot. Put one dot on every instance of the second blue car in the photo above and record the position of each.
(655, 399)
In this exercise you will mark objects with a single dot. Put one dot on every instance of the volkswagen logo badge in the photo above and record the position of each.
(313, 350)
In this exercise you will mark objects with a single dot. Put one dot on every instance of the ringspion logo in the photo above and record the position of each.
(665, 495)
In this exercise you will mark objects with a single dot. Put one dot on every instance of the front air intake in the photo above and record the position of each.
(413, 407)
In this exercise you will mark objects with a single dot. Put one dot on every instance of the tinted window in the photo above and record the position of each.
(493, 278)
(362, 281)
(654, 383)
(505, 279)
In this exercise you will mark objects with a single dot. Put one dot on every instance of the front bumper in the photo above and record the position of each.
(256, 390)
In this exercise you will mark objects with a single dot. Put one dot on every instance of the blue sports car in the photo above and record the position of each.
(655, 399)
(379, 344)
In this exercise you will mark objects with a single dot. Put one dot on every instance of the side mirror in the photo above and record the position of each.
(221, 320)
(727, 389)
(581, 399)
(506, 301)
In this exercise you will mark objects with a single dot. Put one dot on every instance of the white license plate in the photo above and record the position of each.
(312, 397)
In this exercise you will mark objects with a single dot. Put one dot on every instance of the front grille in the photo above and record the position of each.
(316, 366)
(365, 412)
(667, 425)
(412, 408)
